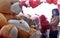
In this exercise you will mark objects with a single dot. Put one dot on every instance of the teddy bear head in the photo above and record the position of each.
(5, 5)
(20, 24)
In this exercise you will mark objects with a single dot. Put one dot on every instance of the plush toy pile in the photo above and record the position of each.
(13, 25)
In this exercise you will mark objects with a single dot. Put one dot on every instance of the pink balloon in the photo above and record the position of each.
(34, 3)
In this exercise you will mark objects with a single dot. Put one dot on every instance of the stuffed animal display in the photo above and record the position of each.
(11, 25)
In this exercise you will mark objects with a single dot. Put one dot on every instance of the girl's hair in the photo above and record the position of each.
(57, 12)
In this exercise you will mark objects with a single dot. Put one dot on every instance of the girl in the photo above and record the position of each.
(54, 24)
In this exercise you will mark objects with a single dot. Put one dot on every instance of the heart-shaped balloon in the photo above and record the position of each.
(34, 3)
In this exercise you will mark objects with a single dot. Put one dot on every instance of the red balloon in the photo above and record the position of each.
(34, 3)
(49, 1)
(22, 2)
(55, 1)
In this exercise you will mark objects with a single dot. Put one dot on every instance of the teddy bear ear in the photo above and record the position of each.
(3, 20)
(4, 6)
(16, 8)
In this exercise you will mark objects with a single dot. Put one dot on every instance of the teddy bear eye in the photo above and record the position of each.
(12, 3)
(21, 22)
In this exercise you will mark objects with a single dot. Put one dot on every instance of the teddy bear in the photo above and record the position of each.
(7, 30)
